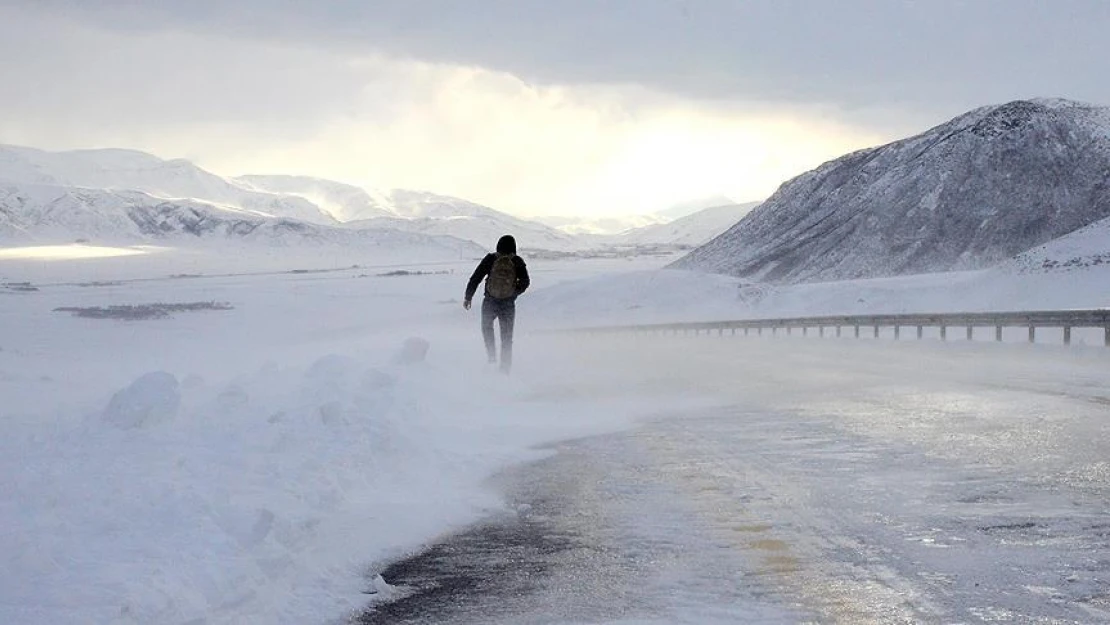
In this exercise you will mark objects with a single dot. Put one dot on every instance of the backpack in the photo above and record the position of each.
(501, 283)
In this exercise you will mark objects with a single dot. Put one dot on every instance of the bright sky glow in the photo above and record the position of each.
(576, 150)
(532, 107)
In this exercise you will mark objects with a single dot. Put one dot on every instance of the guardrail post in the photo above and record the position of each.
(970, 333)
(920, 332)
(1032, 334)
(1067, 335)
(998, 333)
(943, 332)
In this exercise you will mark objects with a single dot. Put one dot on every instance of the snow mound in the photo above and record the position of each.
(414, 350)
(153, 398)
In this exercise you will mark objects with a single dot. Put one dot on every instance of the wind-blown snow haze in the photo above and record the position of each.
(816, 324)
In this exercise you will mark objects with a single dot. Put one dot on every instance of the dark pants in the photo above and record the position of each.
(505, 311)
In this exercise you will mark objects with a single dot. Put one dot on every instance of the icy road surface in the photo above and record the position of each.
(837, 482)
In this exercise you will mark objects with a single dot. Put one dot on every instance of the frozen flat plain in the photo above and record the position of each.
(288, 457)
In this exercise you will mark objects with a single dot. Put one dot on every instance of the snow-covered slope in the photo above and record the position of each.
(414, 211)
(620, 225)
(110, 195)
(1086, 247)
(600, 226)
(691, 230)
(428, 213)
(343, 202)
(689, 207)
(129, 170)
(51, 214)
(967, 194)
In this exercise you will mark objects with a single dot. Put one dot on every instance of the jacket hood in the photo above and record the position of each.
(506, 245)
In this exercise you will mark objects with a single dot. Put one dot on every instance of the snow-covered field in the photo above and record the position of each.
(254, 464)
(247, 465)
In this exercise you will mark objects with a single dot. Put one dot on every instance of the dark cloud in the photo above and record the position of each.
(935, 55)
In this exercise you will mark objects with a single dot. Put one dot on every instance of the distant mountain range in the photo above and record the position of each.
(125, 196)
(971, 193)
(690, 230)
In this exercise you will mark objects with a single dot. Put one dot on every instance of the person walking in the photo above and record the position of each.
(506, 277)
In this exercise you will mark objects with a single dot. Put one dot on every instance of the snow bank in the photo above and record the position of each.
(261, 499)
(150, 399)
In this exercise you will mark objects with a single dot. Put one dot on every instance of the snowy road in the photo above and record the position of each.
(837, 483)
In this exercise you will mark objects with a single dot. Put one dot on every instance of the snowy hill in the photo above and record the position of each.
(483, 230)
(412, 211)
(95, 194)
(685, 209)
(48, 213)
(600, 226)
(129, 170)
(1086, 247)
(343, 202)
(620, 225)
(692, 230)
(967, 194)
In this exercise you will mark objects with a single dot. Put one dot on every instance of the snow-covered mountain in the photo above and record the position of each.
(600, 226)
(967, 194)
(690, 231)
(343, 202)
(130, 170)
(36, 213)
(689, 207)
(429, 213)
(621, 225)
(94, 194)
(483, 230)
(414, 211)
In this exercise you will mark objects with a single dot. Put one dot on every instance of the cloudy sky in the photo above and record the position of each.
(535, 107)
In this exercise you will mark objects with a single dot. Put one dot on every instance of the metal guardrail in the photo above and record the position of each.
(1065, 319)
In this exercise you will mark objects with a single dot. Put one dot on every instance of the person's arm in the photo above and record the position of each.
(522, 280)
(480, 272)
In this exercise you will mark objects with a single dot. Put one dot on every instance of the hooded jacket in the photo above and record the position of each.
(506, 245)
